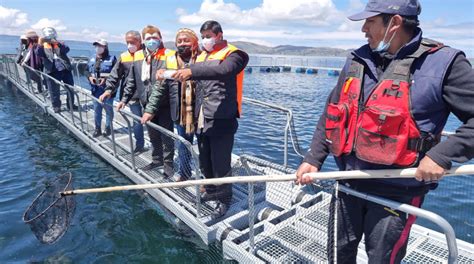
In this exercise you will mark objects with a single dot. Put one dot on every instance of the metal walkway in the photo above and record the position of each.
(267, 223)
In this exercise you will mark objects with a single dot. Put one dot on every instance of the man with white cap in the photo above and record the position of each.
(388, 110)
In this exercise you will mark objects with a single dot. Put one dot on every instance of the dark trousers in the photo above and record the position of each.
(54, 92)
(215, 154)
(163, 145)
(386, 230)
(35, 79)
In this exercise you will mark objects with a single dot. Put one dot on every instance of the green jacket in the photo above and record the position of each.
(159, 95)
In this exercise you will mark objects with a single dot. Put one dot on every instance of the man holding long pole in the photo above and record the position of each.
(388, 110)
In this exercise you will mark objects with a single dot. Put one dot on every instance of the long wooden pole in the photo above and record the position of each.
(333, 175)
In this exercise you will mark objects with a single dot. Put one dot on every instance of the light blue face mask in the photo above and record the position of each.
(152, 44)
(383, 46)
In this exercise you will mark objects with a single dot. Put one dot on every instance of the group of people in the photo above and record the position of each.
(388, 110)
(49, 55)
(201, 98)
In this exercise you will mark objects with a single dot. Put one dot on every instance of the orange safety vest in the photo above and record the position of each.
(219, 56)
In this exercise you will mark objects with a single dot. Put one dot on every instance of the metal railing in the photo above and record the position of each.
(16, 74)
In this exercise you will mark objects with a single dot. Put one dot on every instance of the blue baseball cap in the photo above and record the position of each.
(396, 7)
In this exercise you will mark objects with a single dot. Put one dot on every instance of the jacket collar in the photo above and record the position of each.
(368, 57)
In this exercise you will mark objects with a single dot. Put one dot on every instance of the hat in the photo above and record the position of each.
(188, 32)
(101, 42)
(31, 34)
(23, 37)
(395, 7)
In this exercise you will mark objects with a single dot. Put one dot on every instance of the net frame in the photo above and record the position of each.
(49, 223)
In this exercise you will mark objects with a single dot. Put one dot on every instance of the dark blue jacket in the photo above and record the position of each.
(431, 95)
(49, 60)
(106, 66)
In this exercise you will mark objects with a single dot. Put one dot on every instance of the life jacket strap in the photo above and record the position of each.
(424, 143)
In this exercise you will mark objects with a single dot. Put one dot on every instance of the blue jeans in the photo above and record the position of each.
(109, 113)
(184, 154)
(136, 109)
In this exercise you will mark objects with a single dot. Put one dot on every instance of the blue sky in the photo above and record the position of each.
(269, 22)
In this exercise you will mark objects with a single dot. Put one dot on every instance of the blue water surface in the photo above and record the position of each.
(124, 227)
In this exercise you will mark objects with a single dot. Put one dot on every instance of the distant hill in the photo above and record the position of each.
(6, 41)
(290, 50)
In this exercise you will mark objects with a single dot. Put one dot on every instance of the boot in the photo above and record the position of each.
(97, 133)
(107, 132)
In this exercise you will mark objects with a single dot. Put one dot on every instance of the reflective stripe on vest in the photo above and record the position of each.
(221, 55)
(171, 62)
(126, 57)
(382, 130)
(161, 54)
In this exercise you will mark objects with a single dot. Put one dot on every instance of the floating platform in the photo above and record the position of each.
(266, 223)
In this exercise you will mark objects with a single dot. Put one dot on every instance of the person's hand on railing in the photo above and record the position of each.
(428, 170)
(305, 167)
(101, 81)
(105, 96)
(159, 74)
(146, 117)
(120, 106)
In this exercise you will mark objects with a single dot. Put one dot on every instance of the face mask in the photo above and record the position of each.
(132, 48)
(184, 50)
(99, 49)
(383, 46)
(208, 44)
(152, 44)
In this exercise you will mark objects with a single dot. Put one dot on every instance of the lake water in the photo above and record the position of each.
(127, 227)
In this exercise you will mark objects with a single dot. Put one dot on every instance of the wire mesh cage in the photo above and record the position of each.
(50, 213)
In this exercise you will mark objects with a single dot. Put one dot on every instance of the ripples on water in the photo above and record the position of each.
(129, 226)
(109, 227)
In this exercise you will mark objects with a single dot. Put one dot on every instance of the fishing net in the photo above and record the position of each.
(50, 214)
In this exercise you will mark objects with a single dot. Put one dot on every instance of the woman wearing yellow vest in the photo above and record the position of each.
(219, 73)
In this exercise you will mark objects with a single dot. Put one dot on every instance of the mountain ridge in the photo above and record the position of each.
(249, 47)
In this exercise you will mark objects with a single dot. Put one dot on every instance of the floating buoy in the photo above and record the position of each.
(333, 73)
(275, 69)
(248, 69)
(265, 69)
(300, 70)
(311, 71)
(267, 213)
(286, 69)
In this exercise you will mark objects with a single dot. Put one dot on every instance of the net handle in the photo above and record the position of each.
(333, 175)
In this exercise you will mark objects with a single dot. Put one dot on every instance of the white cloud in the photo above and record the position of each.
(11, 19)
(275, 12)
(46, 22)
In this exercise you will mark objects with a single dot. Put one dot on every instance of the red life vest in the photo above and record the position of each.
(381, 130)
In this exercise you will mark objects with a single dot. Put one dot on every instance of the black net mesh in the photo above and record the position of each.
(50, 213)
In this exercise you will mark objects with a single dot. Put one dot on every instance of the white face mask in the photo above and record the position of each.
(208, 44)
(383, 46)
(99, 49)
(132, 48)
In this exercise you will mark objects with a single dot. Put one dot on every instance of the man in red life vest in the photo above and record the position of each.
(388, 109)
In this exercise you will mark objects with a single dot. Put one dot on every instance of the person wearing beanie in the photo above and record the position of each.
(181, 96)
